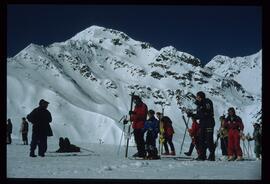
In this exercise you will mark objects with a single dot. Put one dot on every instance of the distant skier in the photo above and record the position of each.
(24, 131)
(151, 128)
(65, 146)
(40, 117)
(168, 135)
(257, 137)
(205, 114)
(223, 134)
(9, 131)
(194, 134)
(235, 126)
(138, 117)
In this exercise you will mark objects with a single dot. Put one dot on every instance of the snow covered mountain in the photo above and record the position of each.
(88, 80)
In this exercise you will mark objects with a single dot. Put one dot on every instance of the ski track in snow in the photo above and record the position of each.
(106, 164)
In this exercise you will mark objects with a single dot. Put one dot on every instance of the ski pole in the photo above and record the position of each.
(249, 148)
(183, 141)
(129, 126)
(245, 148)
(121, 138)
(123, 130)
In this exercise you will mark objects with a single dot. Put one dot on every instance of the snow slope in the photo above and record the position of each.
(106, 164)
(88, 78)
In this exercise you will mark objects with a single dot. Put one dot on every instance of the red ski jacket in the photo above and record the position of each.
(168, 129)
(194, 130)
(139, 116)
(234, 123)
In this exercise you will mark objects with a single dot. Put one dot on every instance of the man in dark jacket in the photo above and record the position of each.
(40, 117)
(205, 115)
(138, 117)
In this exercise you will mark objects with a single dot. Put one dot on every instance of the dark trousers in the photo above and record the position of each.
(168, 139)
(224, 145)
(206, 141)
(40, 141)
(191, 147)
(9, 140)
(25, 138)
(151, 145)
(139, 140)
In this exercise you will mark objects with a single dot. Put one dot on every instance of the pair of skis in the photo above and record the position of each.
(186, 123)
(129, 126)
(161, 133)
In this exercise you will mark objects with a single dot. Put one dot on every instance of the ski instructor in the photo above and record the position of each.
(205, 115)
(138, 117)
(40, 117)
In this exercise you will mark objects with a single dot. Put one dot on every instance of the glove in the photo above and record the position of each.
(197, 102)
(131, 112)
(189, 114)
(125, 121)
(242, 136)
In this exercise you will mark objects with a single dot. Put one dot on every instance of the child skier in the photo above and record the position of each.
(168, 135)
(194, 133)
(151, 128)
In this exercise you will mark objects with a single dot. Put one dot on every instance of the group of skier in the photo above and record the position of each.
(144, 123)
(201, 131)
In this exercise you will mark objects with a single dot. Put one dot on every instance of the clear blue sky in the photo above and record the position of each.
(203, 31)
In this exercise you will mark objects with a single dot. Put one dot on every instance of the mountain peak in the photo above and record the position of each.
(31, 48)
(99, 34)
(88, 33)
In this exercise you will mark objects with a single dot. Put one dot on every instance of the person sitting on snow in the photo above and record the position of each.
(65, 146)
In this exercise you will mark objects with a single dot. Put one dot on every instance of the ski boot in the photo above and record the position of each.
(32, 154)
(231, 158)
(211, 157)
(135, 155)
(201, 158)
(239, 158)
(165, 153)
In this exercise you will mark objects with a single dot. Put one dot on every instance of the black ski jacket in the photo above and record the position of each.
(205, 113)
(40, 118)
